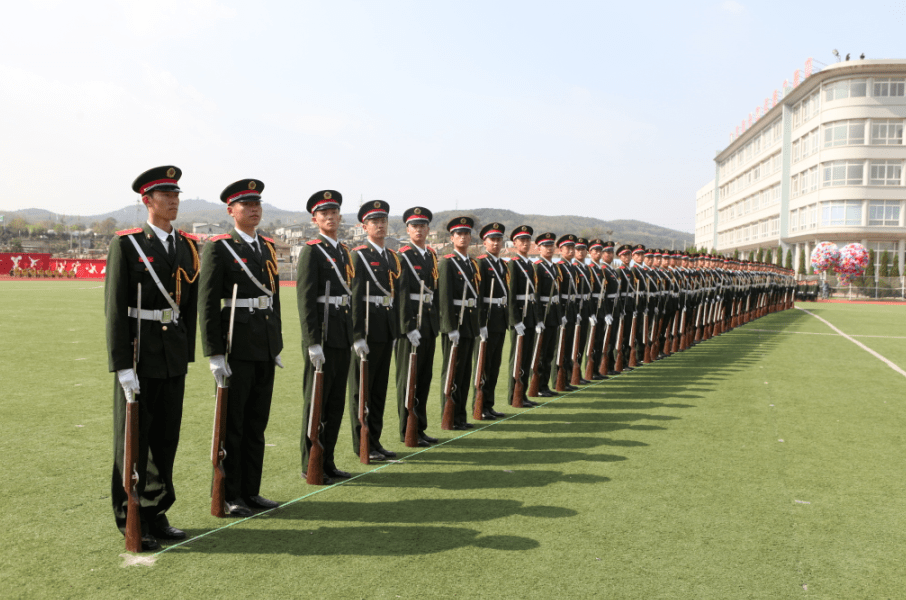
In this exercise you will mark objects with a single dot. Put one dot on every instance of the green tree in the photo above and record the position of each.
(736, 254)
(801, 270)
(789, 258)
(870, 269)
(15, 244)
(105, 227)
(769, 256)
(895, 269)
(883, 265)
(759, 256)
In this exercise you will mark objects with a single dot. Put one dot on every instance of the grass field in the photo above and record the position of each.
(765, 463)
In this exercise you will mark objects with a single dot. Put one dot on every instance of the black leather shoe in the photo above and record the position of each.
(423, 443)
(468, 425)
(149, 543)
(428, 438)
(597, 377)
(583, 381)
(261, 502)
(498, 414)
(544, 394)
(612, 373)
(571, 388)
(335, 472)
(460, 428)
(376, 456)
(167, 532)
(387, 453)
(238, 508)
(487, 416)
(529, 403)
(325, 481)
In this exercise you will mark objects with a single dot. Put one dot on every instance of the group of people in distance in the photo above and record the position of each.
(584, 316)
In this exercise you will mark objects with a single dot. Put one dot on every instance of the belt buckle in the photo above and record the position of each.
(344, 301)
(470, 302)
(385, 300)
(262, 302)
(166, 315)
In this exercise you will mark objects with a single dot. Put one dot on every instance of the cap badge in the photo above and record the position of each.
(252, 185)
(328, 195)
(171, 172)
(377, 204)
(463, 221)
(418, 211)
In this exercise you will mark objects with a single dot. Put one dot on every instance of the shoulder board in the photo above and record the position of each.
(482, 256)
(391, 251)
(129, 231)
(451, 255)
(404, 248)
(267, 239)
(219, 236)
(432, 250)
(362, 247)
(191, 236)
(313, 242)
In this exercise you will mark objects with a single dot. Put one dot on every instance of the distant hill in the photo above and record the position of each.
(196, 210)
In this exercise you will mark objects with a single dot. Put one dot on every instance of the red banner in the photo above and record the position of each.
(39, 261)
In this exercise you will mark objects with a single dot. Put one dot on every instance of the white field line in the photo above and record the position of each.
(44, 289)
(883, 337)
(857, 343)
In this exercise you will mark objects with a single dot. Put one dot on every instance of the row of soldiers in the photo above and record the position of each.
(31, 272)
(583, 316)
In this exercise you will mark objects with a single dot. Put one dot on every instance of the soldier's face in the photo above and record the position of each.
(624, 258)
(607, 256)
(418, 233)
(327, 220)
(595, 254)
(376, 229)
(649, 260)
(246, 215)
(461, 240)
(492, 244)
(162, 205)
(522, 245)
(637, 257)
(546, 251)
(580, 253)
(567, 251)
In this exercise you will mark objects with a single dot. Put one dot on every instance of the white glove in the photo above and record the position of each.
(361, 348)
(539, 327)
(563, 321)
(454, 336)
(128, 380)
(483, 334)
(520, 328)
(578, 319)
(316, 354)
(593, 320)
(278, 362)
(608, 319)
(219, 368)
(414, 337)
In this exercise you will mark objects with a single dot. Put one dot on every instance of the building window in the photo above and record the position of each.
(795, 186)
(845, 133)
(841, 213)
(794, 219)
(796, 151)
(851, 88)
(887, 132)
(884, 213)
(892, 86)
(810, 180)
(775, 226)
(841, 172)
(886, 172)
(776, 162)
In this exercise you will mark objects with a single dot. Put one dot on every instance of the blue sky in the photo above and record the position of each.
(611, 110)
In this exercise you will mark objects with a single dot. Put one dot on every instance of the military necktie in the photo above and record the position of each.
(171, 247)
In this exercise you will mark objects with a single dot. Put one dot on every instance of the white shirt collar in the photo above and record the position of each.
(465, 258)
(248, 238)
(332, 241)
(376, 247)
(160, 233)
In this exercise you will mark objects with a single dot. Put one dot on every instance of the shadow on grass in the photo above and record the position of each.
(507, 457)
(353, 541)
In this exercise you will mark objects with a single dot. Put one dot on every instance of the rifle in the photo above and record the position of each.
(575, 379)
(446, 421)
(633, 353)
(518, 385)
(364, 446)
(411, 380)
(218, 439)
(592, 332)
(646, 345)
(316, 453)
(480, 364)
(133, 531)
(604, 367)
(535, 382)
(560, 385)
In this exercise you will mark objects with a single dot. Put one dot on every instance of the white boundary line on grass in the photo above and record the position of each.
(857, 343)
(883, 337)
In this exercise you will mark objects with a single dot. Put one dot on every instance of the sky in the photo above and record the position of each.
(601, 109)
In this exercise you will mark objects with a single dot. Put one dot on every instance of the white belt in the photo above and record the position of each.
(615, 295)
(522, 297)
(599, 295)
(261, 302)
(565, 296)
(495, 301)
(380, 300)
(335, 300)
(551, 299)
(583, 296)
(163, 316)
(470, 303)
(428, 296)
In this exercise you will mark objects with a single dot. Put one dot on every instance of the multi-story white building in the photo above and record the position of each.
(824, 164)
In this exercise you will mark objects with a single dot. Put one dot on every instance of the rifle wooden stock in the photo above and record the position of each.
(446, 421)
(518, 386)
(535, 382)
(633, 353)
(364, 443)
(411, 418)
(316, 453)
(479, 380)
(646, 338)
(218, 453)
(130, 476)
(603, 366)
(576, 378)
(618, 362)
(589, 352)
(561, 370)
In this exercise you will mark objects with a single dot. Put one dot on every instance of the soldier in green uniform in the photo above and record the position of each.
(548, 288)
(325, 260)
(492, 315)
(418, 288)
(569, 306)
(248, 260)
(374, 294)
(525, 312)
(165, 262)
(458, 290)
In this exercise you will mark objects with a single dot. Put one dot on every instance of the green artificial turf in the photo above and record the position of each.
(765, 463)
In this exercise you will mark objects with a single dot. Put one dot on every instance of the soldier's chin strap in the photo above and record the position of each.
(154, 276)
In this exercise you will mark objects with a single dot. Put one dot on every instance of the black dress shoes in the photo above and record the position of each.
(468, 425)
(149, 544)
(597, 377)
(460, 428)
(497, 414)
(261, 502)
(583, 381)
(166, 532)
(423, 443)
(571, 388)
(529, 403)
(335, 472)
(544, 394)
(325, 481)
(428, 438)
(238, 508)
(611, 373)
(376, 456)
(487, 416)
(387, 453)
